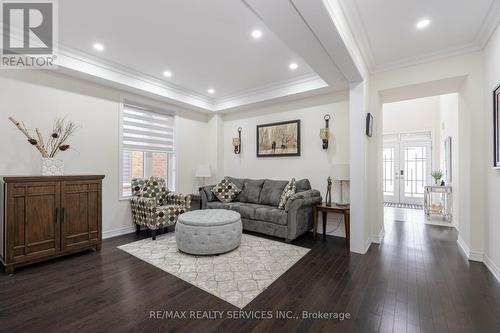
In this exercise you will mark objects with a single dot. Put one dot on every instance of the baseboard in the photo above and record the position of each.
(476, 256)
(118, 232)
(378, 238)
(463, 246)
(494, 269)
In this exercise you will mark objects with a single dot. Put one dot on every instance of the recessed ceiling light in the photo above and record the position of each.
(167, 73)
(98, 47)
(256, 34)
(423, 23)
(293, 66)
(211, 91)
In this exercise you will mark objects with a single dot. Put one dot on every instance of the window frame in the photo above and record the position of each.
(172, 167)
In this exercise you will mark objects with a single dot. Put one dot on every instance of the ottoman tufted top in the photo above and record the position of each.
(209, 217)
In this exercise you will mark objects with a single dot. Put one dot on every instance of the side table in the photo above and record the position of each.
(324, 209)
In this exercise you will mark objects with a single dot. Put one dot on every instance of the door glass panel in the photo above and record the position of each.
(415, 171)
(388, 180)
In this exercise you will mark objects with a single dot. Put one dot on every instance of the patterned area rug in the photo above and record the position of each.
(237, 277)
(401, 205)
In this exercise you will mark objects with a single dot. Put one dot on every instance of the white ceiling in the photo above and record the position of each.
(387, 35)
(205, 44)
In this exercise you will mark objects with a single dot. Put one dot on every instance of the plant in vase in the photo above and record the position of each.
(62, 131)
(437, 175)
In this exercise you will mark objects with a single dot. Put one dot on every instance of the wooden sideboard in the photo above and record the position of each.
(45, 217)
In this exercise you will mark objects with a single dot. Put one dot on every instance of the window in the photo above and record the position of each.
(147, 146)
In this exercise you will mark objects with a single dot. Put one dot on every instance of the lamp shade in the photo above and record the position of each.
(340, 172)
(203, 170)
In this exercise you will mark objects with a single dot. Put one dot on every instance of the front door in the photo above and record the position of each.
(407, 170)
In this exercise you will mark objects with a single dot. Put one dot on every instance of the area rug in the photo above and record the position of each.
(236, 277)
(402, 205)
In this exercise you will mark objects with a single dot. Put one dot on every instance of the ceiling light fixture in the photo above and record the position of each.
(167, 73)
(256, 34)
(98, 47)
(423, 23)
(211, 91)
(293, 66)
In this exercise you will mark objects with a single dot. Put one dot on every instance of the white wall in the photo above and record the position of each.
(314, 162)
(448, 118)
(415, 115)
(38, 97)
(415, 80)
(492, 80)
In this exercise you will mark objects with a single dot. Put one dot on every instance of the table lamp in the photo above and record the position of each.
(203, 171)
(340, 172)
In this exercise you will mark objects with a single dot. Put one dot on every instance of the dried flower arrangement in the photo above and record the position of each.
(62, 130)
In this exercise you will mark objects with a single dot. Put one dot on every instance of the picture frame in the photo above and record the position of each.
(279, 139)
(496, 127)
(448, 159)
(369, 125)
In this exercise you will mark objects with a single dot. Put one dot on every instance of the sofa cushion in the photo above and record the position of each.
(251, 191)
(217, 205)
(208, 192)
(246, 210)
(271, 192)
(271, 214)
(303, 185)
(226, 191)
(288, 191)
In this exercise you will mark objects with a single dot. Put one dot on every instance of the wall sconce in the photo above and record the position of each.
(324, 133)
(237, 142)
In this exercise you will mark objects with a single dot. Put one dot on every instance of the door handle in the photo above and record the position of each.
(57, 216)
(62, 215)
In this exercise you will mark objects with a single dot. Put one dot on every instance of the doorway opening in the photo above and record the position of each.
(417, 136)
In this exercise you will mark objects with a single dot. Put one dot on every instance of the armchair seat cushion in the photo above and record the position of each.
(169, 212)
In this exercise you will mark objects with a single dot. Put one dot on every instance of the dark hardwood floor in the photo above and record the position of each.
(416, 281)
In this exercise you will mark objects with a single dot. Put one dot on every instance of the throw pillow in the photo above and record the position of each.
(225, 191)
(289, 189)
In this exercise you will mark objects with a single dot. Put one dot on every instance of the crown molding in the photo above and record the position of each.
(489, 26)
(81, 64)
(429, 57)
(271, 91)
(351, 11)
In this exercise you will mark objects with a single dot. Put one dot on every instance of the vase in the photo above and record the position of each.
(52, 167)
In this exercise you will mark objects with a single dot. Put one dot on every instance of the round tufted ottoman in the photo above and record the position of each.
(208, 231)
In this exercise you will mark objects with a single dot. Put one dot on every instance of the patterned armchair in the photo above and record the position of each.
(154, 206)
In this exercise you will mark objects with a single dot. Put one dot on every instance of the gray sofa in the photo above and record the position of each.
(258, 206)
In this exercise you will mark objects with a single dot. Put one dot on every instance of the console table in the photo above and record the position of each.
(324, 209)
(48, 217)
(445, 207)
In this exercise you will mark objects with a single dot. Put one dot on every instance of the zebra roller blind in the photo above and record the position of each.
(147, 130)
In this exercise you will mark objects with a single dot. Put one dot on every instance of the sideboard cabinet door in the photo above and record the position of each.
(80, 214)
(32, 220)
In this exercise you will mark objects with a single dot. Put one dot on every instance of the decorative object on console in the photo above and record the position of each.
(237, 142)
(226, 191)
(278, 139)
(203, 171)
(153, 206)
(369, 124)
(437, 175)
(288, 191)
(324, 133)
(328, 199)
(496, 127)
(61, 132)
(340, 172)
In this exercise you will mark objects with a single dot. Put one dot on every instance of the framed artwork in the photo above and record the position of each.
(496, 128)
(369, 125)
(447, 159)
(278, 139)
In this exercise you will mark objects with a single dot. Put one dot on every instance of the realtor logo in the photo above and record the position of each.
(29, 32)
